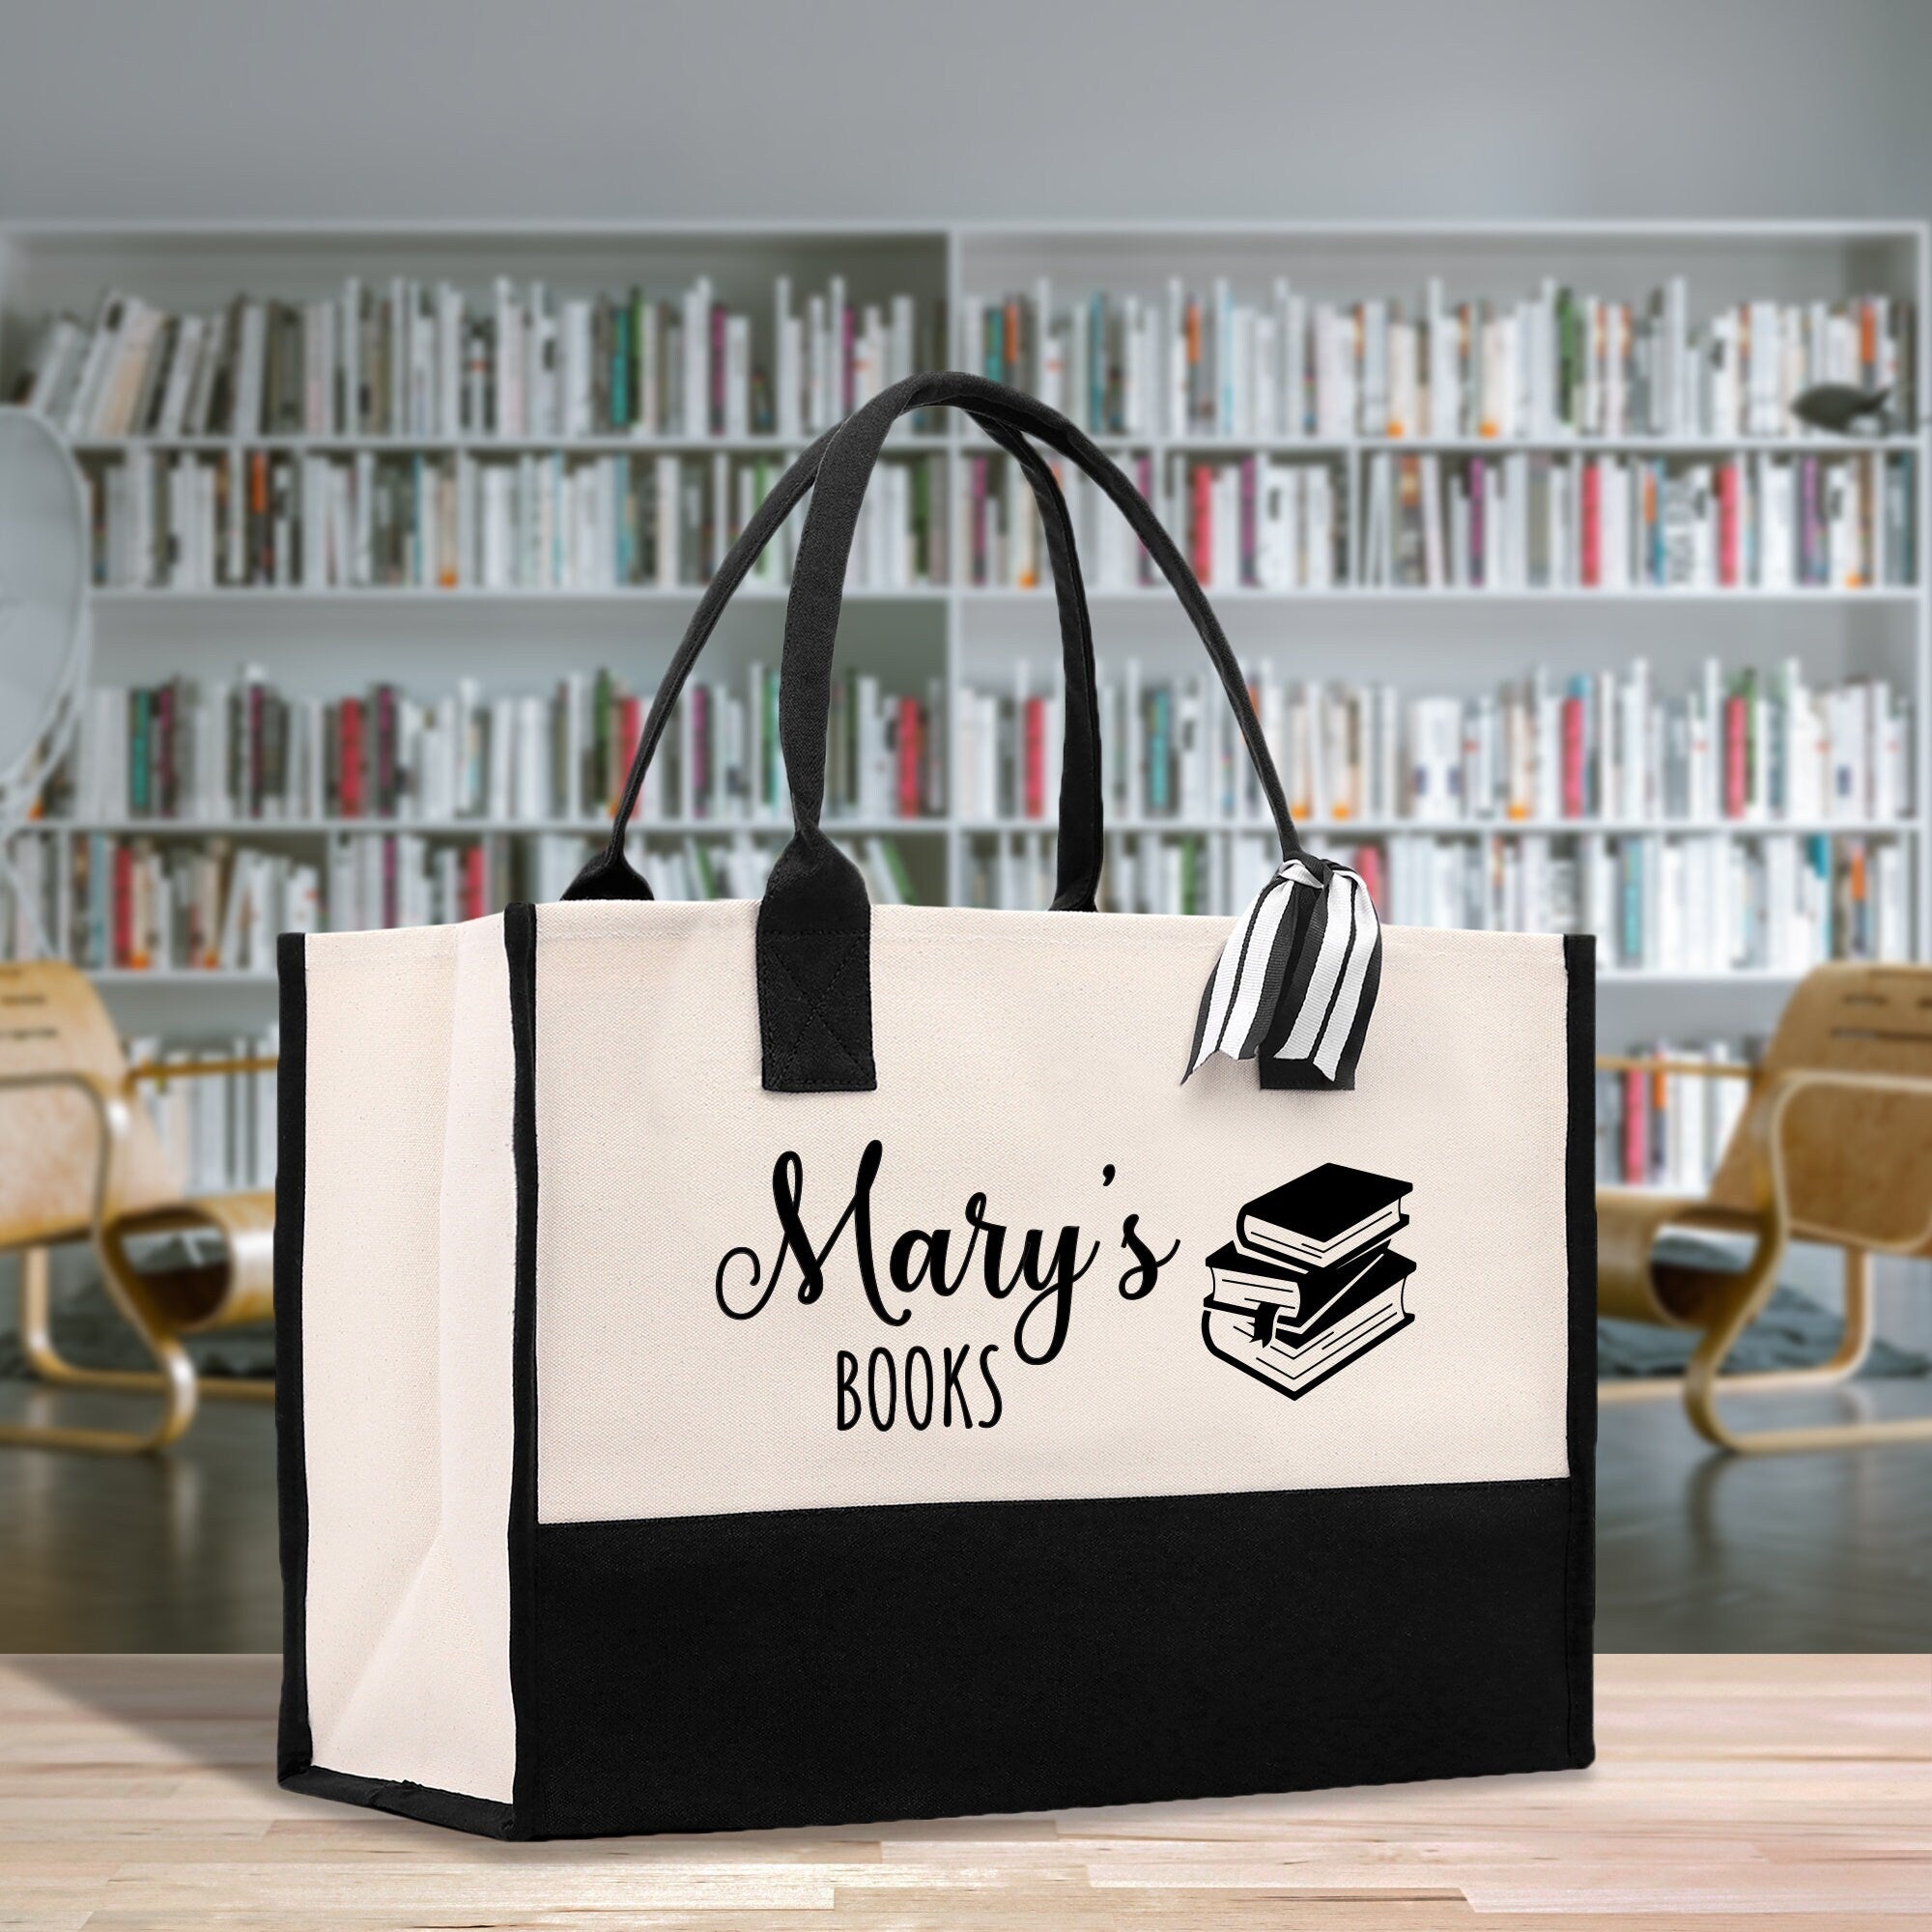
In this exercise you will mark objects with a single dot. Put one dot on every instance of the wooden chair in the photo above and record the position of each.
(1834, 1145)
(80, 1159)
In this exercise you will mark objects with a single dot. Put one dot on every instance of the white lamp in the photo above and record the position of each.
(46, 635)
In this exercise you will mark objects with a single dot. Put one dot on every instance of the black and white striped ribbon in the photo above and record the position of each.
(1297, 978)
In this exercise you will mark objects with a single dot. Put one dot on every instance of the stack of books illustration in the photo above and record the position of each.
(1310, 1284)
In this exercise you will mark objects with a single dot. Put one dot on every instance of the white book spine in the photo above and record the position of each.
(785, 345)
(738, 375)
(348, 336)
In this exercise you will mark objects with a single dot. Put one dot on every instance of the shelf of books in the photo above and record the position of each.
(1555, 612)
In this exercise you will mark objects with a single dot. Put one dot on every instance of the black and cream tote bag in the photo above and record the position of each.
(800, 1361)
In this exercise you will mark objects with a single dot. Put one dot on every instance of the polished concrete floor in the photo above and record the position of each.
(1696, 1552)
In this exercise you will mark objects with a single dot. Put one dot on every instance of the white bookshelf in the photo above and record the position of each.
(328, 641)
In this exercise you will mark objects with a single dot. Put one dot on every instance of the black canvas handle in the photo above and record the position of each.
(819, 574)
(815, 921)
(1081, 842)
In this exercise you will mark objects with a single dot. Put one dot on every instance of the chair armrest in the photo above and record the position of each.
(110, 1113)
(159, 1071)
(1708, 1069)
(1766, 1141)
(1628, 1223)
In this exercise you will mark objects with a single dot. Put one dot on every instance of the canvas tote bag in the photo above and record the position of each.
(759, 1364)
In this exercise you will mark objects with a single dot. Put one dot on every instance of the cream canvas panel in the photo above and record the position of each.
(1026, 1058)
(408, 1301)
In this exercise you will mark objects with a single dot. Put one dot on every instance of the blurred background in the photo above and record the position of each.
(1540, 393)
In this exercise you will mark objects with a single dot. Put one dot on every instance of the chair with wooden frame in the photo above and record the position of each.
(1834, 1145)
(80, 1159)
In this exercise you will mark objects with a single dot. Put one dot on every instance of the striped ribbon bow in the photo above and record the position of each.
(1296, 982)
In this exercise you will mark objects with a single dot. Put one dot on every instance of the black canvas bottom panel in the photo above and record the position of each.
(424, 1802)
(839, 1666)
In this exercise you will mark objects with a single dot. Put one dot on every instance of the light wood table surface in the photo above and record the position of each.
(1784, 1792)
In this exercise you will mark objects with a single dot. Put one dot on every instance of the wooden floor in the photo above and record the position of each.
(1789, 1792)
(1695, 1550)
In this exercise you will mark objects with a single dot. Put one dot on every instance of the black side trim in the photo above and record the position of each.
(295, 1746)
(1580, 1163)
(807, 1668)
(520, 943)
(453, 1808)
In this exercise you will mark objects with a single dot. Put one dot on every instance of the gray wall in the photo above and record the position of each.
(995, 107)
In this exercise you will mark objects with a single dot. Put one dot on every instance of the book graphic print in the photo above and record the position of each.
(1310, 1283)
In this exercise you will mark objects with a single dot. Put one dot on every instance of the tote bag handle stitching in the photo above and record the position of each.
(819, 1007)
